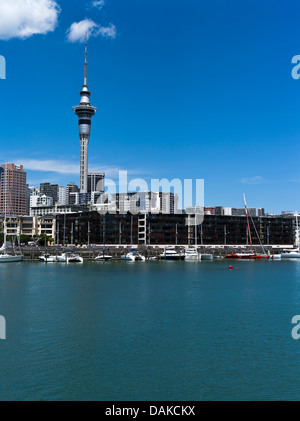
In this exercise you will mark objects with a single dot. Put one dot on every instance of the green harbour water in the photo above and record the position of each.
(150, 331)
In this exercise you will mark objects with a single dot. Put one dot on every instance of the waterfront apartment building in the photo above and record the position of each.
(13, 190)
(30, 226)
(160, 229)
(78, 226)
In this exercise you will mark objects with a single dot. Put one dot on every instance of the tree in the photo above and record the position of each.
(43, 239)
(25, 238)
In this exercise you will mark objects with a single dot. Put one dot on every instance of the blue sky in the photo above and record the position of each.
(184, 89)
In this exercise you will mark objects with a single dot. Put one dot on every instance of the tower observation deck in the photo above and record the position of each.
(85, 112)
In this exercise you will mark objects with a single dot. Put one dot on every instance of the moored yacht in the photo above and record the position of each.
(6, 258)
(102, 258)
(72, 257)
(192, 254)
(171, 254)
(133, 256)
(47, 258)
(252, 255)
(247, 256)
(290, 254)
(206, 256)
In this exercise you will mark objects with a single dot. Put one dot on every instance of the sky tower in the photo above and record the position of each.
(84, 111)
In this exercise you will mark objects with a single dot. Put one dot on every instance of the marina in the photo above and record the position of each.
(105, 253)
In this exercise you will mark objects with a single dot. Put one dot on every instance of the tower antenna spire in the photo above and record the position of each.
(85, 61)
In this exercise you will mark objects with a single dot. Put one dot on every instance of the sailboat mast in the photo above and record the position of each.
(248, 222)
(5, 203)
(297, 231)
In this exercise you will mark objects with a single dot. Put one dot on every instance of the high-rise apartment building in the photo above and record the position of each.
(147, 201)
(72, 194)
(50, 190)
(13, 190)
(95, 182)
(31, 191)
(168, 202)
(61, 195)
(40, 200)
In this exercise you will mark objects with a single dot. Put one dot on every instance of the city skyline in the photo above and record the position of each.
(170, 103)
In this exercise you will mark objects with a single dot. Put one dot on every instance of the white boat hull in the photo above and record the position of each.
(192, 254)
(206, 257)
(172, 257)
(127, 259)
(70, 258)
(48, 259)
(102, 258)
(7, 258)
(130, 257)
(52, 259)
(276, 256)
(193, 257)
(291, 255)
(74, 259)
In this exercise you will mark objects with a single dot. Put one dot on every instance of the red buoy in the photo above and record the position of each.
(230, 267)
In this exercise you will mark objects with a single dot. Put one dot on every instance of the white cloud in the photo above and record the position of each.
(78, 30)
(49, 165)
(24, 18)
(257, 179)
(65, 167)
(108, 31)
(98, 3)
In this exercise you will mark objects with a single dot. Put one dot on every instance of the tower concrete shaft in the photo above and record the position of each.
(85, 112)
